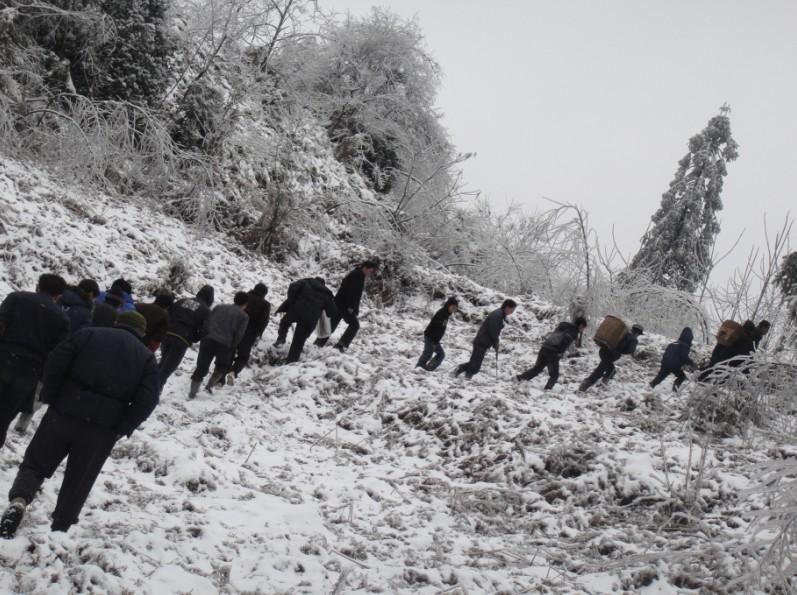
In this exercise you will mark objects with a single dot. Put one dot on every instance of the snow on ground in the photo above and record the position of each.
(354, 473)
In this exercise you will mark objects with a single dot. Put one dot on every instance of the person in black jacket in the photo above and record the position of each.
(347, 302)
(606, 369)
(434, 334)
(552, 350)
(31, 325)
(187, 319)
(730, 356)
(487, 337)
(157, 316)
(307, 298)
(100, 384)
(258, 309)
(675, 357)
(225, 328)
(78, 303)
(762, 329)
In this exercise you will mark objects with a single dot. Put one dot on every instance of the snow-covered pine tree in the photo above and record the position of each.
(675, 251)
(786, 279)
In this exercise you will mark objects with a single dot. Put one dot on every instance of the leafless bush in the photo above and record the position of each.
(664, 310)
(547, 253)
(750, 293)
(117, 145)
(759, 391)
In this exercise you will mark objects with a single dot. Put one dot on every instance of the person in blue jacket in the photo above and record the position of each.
(675, 357)
(123, 290)
(78, 303)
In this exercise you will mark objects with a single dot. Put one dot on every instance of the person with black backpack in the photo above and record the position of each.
(434, 334)
(553, 348)
(675, 357)
(605, 369)
(307, 300)
(187, 319)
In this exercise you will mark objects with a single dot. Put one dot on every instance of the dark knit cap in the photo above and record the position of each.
(132, 321)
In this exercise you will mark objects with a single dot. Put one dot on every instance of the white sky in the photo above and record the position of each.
(593, 102)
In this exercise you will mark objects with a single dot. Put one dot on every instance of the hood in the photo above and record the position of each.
(686, 336)
(206, 294)
(72, 299)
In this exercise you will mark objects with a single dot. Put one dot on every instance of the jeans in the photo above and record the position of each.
(431, 347)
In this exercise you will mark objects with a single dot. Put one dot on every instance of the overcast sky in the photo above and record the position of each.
(594, 102)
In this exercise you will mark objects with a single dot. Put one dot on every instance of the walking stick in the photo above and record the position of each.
(496, 363)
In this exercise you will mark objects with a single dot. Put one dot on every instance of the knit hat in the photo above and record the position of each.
(132, 321)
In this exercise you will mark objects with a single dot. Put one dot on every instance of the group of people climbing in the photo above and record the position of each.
(553, 348)
(729, 350)
(90, 356)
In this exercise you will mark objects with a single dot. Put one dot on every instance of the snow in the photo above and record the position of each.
(354, 473)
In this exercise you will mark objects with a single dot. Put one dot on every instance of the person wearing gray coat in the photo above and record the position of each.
(225, 328)
(488, 337)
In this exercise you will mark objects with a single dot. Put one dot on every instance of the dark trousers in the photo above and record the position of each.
(605, 369)
(546, 358)
(208, 351)
(426, 361)
(475, 363)
(680, 377)
(17, 390)
(244, 351)
(85, 446)
(353, 326)
(300, 336)
(284, 327)
(172, 353)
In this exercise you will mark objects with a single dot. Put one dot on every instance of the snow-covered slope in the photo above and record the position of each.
(354, 473)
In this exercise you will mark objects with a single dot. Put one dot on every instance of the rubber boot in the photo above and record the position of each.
(215, 379)
(195, 384)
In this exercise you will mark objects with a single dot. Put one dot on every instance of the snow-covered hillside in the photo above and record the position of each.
(354, 473)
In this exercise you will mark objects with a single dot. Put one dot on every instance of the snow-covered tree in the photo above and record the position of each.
(675, 252)
(786, 279)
